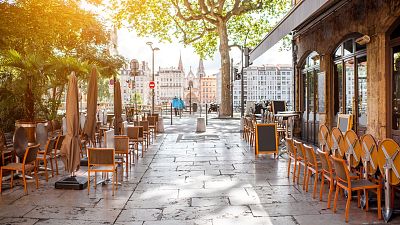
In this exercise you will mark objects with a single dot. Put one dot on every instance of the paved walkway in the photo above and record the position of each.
(185, 178)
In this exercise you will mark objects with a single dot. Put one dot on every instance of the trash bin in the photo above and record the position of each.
(194, 107)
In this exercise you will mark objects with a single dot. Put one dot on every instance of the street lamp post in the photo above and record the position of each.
(190, 97)
(134, 72)
(152, 90)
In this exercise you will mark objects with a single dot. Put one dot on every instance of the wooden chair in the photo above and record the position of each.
(301, 160)
(152, 126)
(352, 148)
(29, 164)
(47, 154)
(337, 140)
(246, 128)
(313, 167)
(102, 160)
(292, 156)
(146, 131)
(326, 173)
(121, 144)
(323, 138)
(6, 150)
(57, 150)
(135, 134)
(369, 155)
(252, 131)
(343, 181)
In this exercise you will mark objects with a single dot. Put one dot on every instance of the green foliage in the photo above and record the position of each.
(136, 98)
(196, 22)
(41, 43)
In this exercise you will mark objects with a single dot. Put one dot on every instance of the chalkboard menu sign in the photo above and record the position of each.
(278, 106)
(345, 122)
(266, 139)
(321, 92)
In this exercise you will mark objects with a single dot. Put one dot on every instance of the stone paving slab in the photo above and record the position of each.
(184, 178)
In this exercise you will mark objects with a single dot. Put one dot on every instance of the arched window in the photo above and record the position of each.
(309, 72)
(350, 82)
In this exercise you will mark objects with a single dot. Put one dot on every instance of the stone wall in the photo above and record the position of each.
(365, 17)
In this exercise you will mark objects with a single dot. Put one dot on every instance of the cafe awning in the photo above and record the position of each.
(296, 16)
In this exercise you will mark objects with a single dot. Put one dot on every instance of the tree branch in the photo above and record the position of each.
(244, 7)
(187, 40)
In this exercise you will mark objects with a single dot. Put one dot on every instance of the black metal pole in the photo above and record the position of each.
(232, 88)
(171, 113)
(190, 100)
(206, 114)
(242, 89)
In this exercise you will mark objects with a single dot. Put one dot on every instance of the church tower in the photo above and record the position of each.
(200, 70)
(180, 66)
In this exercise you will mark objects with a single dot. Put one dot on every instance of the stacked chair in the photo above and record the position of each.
(349, 164)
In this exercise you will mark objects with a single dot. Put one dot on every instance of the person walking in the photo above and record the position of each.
(175, 105)
(181, 106)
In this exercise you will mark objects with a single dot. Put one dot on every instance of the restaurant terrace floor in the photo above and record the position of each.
(187, 178)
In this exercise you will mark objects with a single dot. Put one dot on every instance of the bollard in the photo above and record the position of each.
(206, 114)
(171, 113)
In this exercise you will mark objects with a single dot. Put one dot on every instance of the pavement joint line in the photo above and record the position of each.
(148, 167)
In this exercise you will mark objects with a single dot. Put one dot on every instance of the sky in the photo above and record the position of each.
(130, 46)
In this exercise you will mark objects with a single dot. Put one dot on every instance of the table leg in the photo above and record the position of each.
(387, 210)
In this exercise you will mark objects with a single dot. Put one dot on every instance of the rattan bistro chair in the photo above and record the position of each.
(102, 160)
(135, 134)
(292, 156)
(46, 154)
(301, 160)
(121, 144)
(146, 131)
(57, 149)
(326, 173)
(337, 140)
(344, 181)
(323, 138)
(313, 167)
(29, 164)
(152, 126)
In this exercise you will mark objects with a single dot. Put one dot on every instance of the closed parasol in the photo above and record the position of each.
(117, 108)
(90, 125)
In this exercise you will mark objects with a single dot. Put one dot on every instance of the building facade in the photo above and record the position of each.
(135, 89)
(169, 84)
(346, 61)
(267, 82)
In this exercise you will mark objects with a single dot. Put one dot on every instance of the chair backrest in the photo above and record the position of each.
(369, 153)
(388, 156)
(325, 161)
(341, 170)
(50, 145)
(152, 120)
(109, 138)
(311, 157)
(101, 156)
(145, 125)
(133, 132)
(20, 142)
(59, 142)
(352, 148)
(290, 146)
(30, 154)
(337, 139)
(41, 135)
(300, 150)
(121, 144)
(323, 138)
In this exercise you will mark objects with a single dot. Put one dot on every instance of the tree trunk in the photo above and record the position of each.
(226, 108)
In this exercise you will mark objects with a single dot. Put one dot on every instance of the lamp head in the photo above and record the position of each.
(149, 43)
(156, 49)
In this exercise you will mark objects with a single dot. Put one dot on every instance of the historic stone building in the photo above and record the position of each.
(135, 87)
(346, 60)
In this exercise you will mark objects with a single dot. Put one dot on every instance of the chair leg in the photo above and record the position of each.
(24, 179)
(321, 187)
(127, 163)
(330, 193)
(1, 180)
(348, 205)
(51, 165)
(298, 174)
(304, 179)
(288, 169)
(12, 179)
(358, 199)
(294, 170)
(336, 197)
(378, 193)
(37, 175)
(315, 184)
(307, 179)
(45, 170)
(367, 202)
(55, 159)
(113, 181)
(88, 183)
